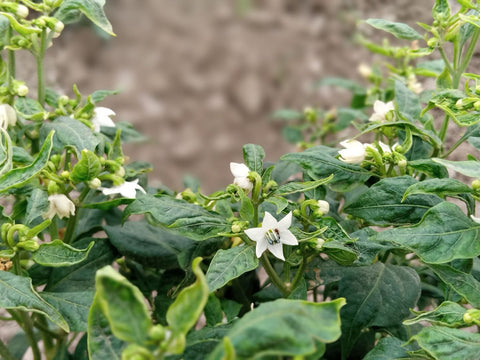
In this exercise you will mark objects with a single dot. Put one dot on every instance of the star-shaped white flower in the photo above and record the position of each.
(354, 151)
(128, 189)
(380, 110)
(61, 205)
(8, 116)
(272, 235)
(101, 117)
(240, 172)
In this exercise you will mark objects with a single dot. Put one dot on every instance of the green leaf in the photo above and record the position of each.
(189, 304)
(70, 132)
(283, 327)
(429, 167)
(179, 216)
(441, 10)
(87, 168)
(440, 187)
(19, 176)
(21, 156)
(123, 305)
(446, 343)
(229, 264)
(463, 283)
(203, 341)
(377, 295)
(342, 83)
(444, 80)
(102, 344)
(36, 206)
(399, 30)
(81, 276)
(407, 102)
(447, 314)
(57, 253)
(149, 245)
(468, 168)
(70, 10)
(339, 252)
(73, 306)
(296, 187)
(29, 108)
(108, 204)
(280, 202)
(253, 156)
(246, 207)
(387, 348)
(292, 134)
(18, 293)
(319, 165)
(100, 95)
(382, 203)
(445, 233)
(431, 68)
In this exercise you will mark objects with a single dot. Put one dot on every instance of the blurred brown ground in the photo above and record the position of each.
(200, 78)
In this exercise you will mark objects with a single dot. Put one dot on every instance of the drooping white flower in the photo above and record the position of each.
(380, 110)
(8, 116)
(60, 205)
(354, 151)
(101, 117)
(272, 235)
(128, 189)
(240, 172)
(323, 206)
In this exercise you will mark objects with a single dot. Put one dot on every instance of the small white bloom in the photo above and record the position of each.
(323, 206)
(354, 151)
(414, 85)
(272, 235)
(8, 116)
(380, 110)
(101, 117)
(128, 189)
(240, 172)
(365, 70)
(60, 205)
(476, 219)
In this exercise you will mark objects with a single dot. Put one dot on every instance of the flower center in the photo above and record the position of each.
(272, 236)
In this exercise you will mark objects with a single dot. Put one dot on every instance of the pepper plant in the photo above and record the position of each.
(363, 250)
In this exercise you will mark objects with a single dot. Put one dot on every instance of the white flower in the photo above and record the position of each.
(272, 235)
(414, 85)
(354, 151)
(128, 189)
(380, 110)
(240, 172)
(323, 206)
(365, 70)
(385, 148)
(60, 205)
(101, 117)
(8, 116)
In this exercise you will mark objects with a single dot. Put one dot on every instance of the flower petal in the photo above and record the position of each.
(288, 238)
(286, 222)
(277, 250)
(256, 234)
(239, 170)
(261, 247)
(269, 222)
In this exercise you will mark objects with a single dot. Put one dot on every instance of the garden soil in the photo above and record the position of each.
(200, 78)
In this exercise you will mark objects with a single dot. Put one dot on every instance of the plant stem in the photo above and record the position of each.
(27, 327)
(299, 274)
(5, 353)
(468, 54)
(11, 61)
(73, 220)
(272, 274)
(443, 129)
(40, 68)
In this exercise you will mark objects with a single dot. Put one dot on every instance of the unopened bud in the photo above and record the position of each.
(22, 11)
(22, 90)
(476, 184)
(157, 333)
(310, 114)
(65, 174)
(29, 245)
(323, 207)
(94, 183)
(120, 172)
(459, 104)
(236, 228)
(236, 241)
(319, 244)
(432, 42)
(402, 163)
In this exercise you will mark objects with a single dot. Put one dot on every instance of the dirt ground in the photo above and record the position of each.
(200, 78)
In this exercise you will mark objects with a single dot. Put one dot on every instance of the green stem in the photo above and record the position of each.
(272, 274)
(5, 353)
(443, 129)
(11, 61)
(468, 54)
(445, 60)
(46, 337)
(299, 274)
(40, 68)
(28, 329)
(73, 220)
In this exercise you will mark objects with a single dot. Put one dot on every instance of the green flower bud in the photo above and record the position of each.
(53, 188)
(402, 163)
(22, 90)
(29, 245)
(236, 228)
(459, 104)
(476, 184)
(22, 11)
(476, 105)
(157, 333)
(65, 174)
(432, 42)
(94, 183)
(120, 172)
(310, 114)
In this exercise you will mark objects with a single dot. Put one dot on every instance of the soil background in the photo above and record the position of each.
(200, 78)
